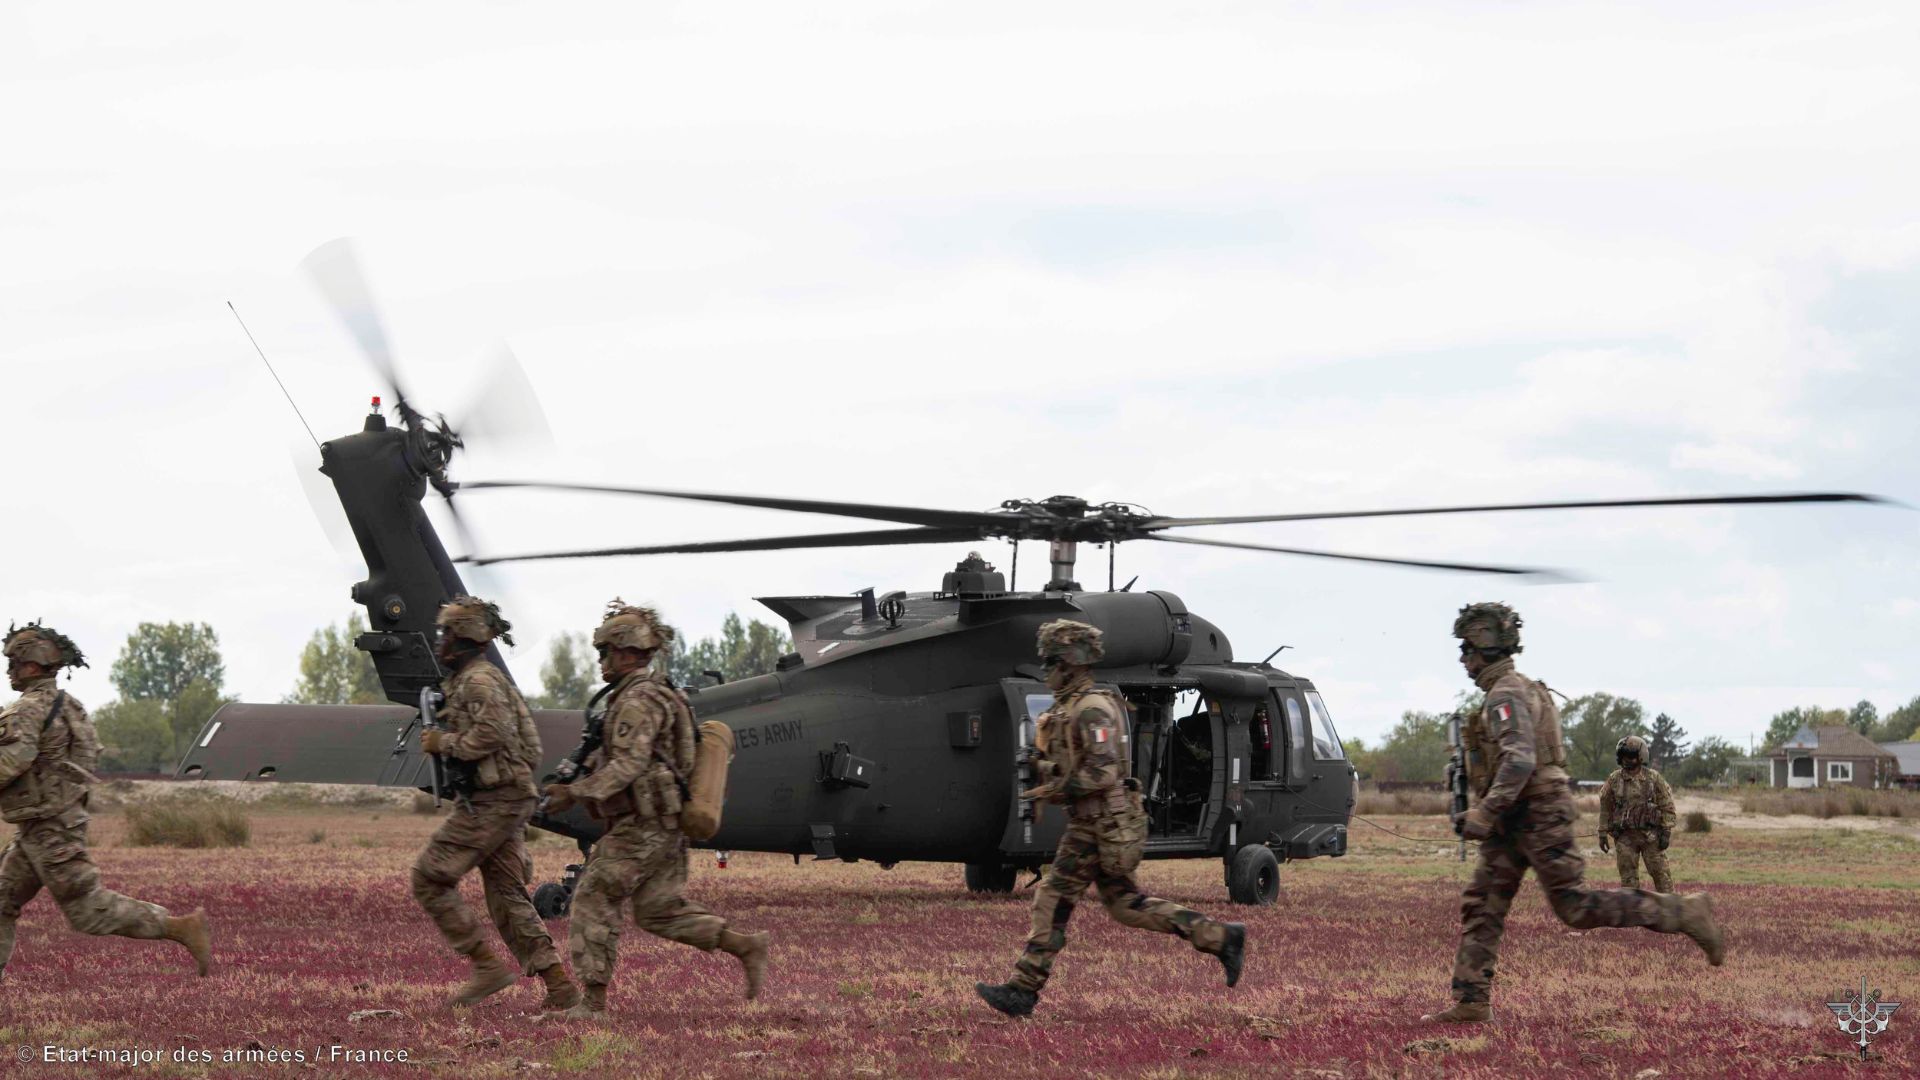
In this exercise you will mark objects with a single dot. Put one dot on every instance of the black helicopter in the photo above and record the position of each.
(895, 729)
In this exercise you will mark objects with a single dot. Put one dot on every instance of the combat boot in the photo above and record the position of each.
(1008, 998)
(1233, 951)
(1697, 922)
(1463, 1012)
(489, 977)
(592, 1004)
(561, 991)
(191, 930)
(752, 951)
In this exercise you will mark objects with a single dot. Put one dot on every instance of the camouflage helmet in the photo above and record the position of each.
(630, 627)
(1071, 642)
(1631, 750)
(1488, 627)
(43, 645)
(474, 619)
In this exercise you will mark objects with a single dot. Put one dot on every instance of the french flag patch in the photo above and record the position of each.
(1100, 735)
(1505, 712)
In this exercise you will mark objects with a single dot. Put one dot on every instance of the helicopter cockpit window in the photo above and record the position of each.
(1326, 742)
(1296, 740)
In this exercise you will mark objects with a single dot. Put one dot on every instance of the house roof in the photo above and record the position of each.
(1837, 740)
(1908, 754)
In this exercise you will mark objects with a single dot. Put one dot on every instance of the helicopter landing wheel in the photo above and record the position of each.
(990, 877)
(555, 898)
(1254, 876)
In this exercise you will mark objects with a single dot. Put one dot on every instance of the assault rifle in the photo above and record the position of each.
(1457, 778)
(451, 778)
(574, 765)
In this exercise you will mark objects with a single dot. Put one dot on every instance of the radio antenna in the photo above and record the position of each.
(275, 374)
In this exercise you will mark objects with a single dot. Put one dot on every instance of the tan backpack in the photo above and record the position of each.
(707, 787)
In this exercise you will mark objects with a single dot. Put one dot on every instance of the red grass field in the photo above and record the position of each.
(874, 970)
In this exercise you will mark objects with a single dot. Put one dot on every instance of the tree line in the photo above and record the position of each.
(1416, 750)
(171, 679)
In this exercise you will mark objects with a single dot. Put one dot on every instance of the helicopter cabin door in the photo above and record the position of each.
(1181, 761)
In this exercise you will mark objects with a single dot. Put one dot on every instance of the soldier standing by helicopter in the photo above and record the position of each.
(47, 753)
(1083, 765)
(1636, 814)
(493, 747)
(1524, 818)
(636, 784)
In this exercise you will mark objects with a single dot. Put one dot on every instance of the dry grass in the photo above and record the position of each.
(873, 970)
(1372, 803)
(1832, 802)
(1416, 802)
(188, 822)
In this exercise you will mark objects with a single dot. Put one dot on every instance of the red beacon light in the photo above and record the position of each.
(376, 403)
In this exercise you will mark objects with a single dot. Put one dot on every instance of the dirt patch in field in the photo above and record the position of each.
(1727, 812)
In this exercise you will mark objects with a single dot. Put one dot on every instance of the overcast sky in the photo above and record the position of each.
(1212, 259)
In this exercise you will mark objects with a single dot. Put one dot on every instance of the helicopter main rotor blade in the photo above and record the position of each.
(335, 270)
(869, 538)
(1541, 573)
(1582, 504)
(906, 515)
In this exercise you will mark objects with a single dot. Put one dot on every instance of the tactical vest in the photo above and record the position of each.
(1637, 805)
(1055, 738)
(62, 768)
(661, 789)
(1549, 745)
(512, 764)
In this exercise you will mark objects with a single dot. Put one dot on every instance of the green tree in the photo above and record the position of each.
(334, 672)
(1415, 750)
(742, 651)
(1359, 755)
(1863, 717)
(1900, 724)
(1664, 743)
(134, 736)
(177, 665)
(1811, 717)
(1594, 724)
(1706, 764)
(160, 660)
(567, 678)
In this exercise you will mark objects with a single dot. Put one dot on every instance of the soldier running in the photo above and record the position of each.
(1636, 814)
(48, 750)
(491, 737)
(1524, 818)
(1080, 743)
(635, 783)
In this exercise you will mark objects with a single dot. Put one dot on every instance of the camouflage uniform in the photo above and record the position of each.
(1082, 742)
(490, 727)
(636, 783)
(490, 732)
(642, 857)
(48, 750)
(1081, 758)
(1516, 761)
(1636, 809)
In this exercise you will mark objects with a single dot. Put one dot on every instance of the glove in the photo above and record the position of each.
(433, 742)
(1477, 824)
(1606, 844)
(558, 798)
(1665, 838)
